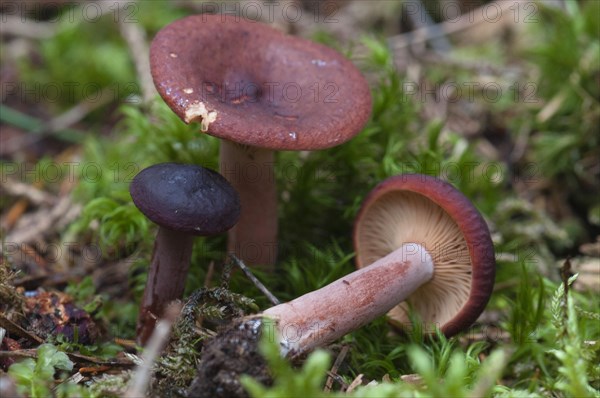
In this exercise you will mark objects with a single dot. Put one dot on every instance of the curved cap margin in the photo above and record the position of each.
(471, 224)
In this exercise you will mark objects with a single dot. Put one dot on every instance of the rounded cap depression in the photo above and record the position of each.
(251, 84)
(186, 198)
(420, 209)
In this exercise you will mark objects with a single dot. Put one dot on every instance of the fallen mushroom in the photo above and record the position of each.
(433, 214)
(185, 201)
(260, 91)
(310, 321)
(420, 243)
(426, 242)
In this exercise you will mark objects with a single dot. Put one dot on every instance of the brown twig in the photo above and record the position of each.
(274, 300)
(432, 31)
(209, 274)
(44, 221)
(339, 379)
(413, 379)
(77, 358)
(135, 37)
(355, 383)
(79, 111)
(141, 379)
(14, 213)
(17, 330)
(18, 26)
(336, 365)
(19, 208)
(75, 379)
(27, 191)
(465, 21)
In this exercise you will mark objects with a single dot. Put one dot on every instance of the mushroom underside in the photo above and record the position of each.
(401, 217)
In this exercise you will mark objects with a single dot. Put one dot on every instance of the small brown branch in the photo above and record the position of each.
(465, 21)
(75, 379)
(355, 383)
(31, 193)
(339, 379)
(135, 37)
(209, 274)
(43, 221)
(77, 358)
(17, 330)
(336, 365)
(274, 300)
(79, 111)
(141, 379)
(17, 26)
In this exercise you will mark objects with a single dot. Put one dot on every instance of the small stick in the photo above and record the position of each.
(28, 193)
(44, 221)
(78, 112)
(209, 274)
(76, 358)
(158, 339)
(274, 300)
(434, 33)
(14, 329)
(14, 213)
(75, 379)
(31, 192)
(338, 362)
(339, 379)
(135, 36)
(24, 27)
(355, 383)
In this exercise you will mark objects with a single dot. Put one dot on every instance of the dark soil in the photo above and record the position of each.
(226, 357)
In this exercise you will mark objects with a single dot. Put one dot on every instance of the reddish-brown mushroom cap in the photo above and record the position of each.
(251, 84)
(421, 209)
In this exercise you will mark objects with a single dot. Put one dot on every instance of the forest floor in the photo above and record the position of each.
(499, 98)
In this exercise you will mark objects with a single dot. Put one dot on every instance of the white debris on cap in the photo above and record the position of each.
(198, 110)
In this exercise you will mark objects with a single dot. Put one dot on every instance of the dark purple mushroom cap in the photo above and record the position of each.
(414, 208)
(251, 84)
(186, 198)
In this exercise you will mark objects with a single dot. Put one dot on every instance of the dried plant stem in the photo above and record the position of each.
(160, 336)
(135, 37)
(274, 300)
(336, 365)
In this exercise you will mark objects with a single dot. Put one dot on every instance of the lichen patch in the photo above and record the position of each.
(198, 110)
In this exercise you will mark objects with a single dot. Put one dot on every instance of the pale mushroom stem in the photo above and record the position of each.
(322, 316)
(250, 171)
(166, 278)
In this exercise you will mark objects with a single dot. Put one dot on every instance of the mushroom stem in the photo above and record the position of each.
(166, 277)
(250, 171)
(322, 316)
